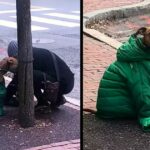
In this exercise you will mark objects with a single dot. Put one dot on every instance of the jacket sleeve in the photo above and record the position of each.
(140, 89)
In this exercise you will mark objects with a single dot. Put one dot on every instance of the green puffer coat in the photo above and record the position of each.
(124, 90)
(2, 97)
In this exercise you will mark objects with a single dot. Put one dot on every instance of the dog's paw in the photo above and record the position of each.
(145, 122)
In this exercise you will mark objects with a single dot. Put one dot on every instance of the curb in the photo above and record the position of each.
(102, 37)
(66, 145)
(119, 12)
(73, 101)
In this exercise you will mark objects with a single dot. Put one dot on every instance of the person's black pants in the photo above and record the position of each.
(38, 86)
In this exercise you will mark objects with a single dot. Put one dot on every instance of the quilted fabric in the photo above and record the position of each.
(124, 90)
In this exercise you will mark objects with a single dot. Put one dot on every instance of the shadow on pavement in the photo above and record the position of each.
(60, 125)
(113, 135)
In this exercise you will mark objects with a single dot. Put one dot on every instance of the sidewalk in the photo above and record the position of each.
(106, 134)
(92, 5)
(57, 130)
(97, 55)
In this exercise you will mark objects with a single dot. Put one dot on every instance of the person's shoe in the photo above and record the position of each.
(41, 105)
(61, 101)
(13, 102)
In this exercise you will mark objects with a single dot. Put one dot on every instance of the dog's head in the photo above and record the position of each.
(145, 32)
(8, 64)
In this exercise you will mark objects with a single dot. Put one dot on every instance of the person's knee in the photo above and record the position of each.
(68, 88)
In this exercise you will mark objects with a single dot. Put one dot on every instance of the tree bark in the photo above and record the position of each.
(25, 67)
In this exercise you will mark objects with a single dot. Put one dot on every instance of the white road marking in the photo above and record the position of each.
(7, 3)
(11, 24)
(74, 17)
(53, 21)
(7, 11)
(76, 12)
(32, 10)
(14, 4)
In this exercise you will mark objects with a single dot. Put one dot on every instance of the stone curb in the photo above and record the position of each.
(102, 37)
(66, 145)
(119, 12)
(116, 12)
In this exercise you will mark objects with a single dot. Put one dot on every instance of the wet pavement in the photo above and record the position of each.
(108, 134)
(113, 135)
(60, 125)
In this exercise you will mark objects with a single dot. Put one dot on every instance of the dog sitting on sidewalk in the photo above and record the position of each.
(124, 90)
(6, 64)
(145, 32)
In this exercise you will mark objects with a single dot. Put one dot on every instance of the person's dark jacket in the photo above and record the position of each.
(43, 62)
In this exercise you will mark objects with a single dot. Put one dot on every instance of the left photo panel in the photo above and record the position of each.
(40, 74)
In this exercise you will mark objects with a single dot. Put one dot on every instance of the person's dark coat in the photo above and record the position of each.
(43, 63)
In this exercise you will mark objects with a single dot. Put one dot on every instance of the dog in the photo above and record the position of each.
(145, 33)
(8, 64)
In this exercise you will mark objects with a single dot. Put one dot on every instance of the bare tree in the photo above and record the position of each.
(25, 68)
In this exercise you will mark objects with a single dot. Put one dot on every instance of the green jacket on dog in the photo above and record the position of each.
(124, 90)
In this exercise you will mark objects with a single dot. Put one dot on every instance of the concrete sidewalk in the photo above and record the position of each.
(47, 125)
(57, 130)
(106, 134)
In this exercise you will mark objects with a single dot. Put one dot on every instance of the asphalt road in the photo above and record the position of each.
(55, 26)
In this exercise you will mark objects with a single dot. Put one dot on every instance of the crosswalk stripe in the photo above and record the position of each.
(7, 11)
(74, 17)
(53, 21)
(76, 12)
(11, 24)
(7, 3)
(14, 11)
(14, 4)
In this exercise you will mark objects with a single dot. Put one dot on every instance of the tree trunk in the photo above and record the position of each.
(25, 68)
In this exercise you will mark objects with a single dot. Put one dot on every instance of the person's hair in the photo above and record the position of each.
(12, 49)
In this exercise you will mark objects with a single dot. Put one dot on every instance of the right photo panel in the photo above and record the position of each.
(116, 74)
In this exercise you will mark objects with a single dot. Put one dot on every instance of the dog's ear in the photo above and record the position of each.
(11, 60)
(141, 31)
